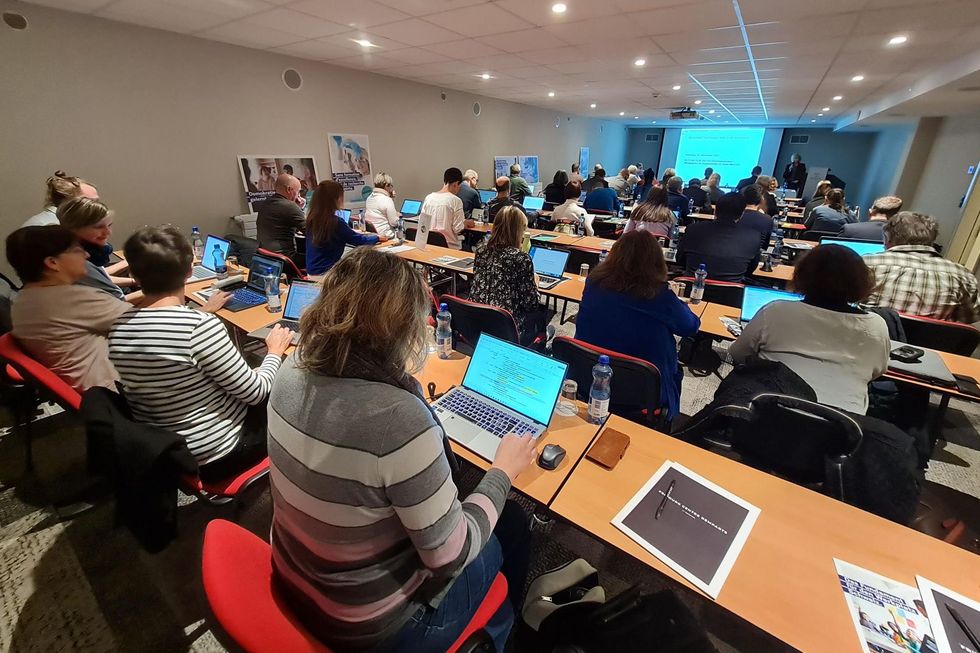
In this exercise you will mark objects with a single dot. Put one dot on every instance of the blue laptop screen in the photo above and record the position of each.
(518, 378)
(755, 298)
(411, 207)
(301, 295)
(863, 249)
(533, 203)
(549, 262)
(487, 195)
(344, 214)
(213, 245)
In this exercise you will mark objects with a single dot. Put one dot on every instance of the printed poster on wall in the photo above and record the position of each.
(501, 166)
(583, 161)
(259, 174)
(529, 169)
(350, 165)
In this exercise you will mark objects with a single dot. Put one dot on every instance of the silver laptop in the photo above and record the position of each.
(756, 297)
(206, 270)
(301, 295)
(506, 389)
(549, 264)
(931, 367)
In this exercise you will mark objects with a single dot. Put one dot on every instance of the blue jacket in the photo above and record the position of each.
(679, 203)
(320, 258)
(644, 328)
(602, 199)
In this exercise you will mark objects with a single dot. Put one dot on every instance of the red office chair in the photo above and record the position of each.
(716, 292)
(227, 490)
(944, 335)
(288, 265)
(635, 382)
(43, 381)
(237, 574)
(470, 319)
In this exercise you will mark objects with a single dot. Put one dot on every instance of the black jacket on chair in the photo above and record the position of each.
(143, 463)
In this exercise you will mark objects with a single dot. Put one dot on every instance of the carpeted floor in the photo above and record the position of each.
(83, 585)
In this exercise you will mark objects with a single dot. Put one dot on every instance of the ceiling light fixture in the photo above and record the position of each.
(819, 115)
(640, 62)
(697, 102)
(676, 87)
(654, 122)
(485, 76)
(636, 117)
(857, 78)
(752, 60)
(551, 94)
(592, 106)
(837, 98)
(711, 110)
(622, 113)
(813, 121)
(898, 40)
(559, 7)
(364, 43)
(826, 109)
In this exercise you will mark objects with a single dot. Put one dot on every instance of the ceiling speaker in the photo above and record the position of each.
(477, 109)
(292, 79)
(14, 20)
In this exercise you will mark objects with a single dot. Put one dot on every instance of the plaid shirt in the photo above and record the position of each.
(917, 280)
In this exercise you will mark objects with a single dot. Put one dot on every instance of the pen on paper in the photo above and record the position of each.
(663, 503)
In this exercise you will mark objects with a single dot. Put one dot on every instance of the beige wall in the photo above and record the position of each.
(156, 120)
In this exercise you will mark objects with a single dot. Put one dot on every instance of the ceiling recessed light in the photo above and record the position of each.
(364, 43)
(826, 109)
(711, 110)
(551, 94)
(898, 40)
(697, 102)
(636, 117)
(559, 7)
(485, 76)
(813, 121)
(592, 106)
(819, 115)
(837, 98)
(857, 78)
(640, 62)
(622, 113)
(676, 87)
(654, 122)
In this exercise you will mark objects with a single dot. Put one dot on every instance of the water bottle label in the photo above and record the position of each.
(598, 408)
(444, 347)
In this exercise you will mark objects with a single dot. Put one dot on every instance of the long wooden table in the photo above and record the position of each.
(784, 581)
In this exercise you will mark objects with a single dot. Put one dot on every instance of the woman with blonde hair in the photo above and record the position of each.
(504, 275)
(60, 187)
(91, 223)
(368, 530)
(379, 209)
(711, 187)
(652, 215)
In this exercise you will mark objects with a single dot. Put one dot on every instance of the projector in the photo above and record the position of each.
(685, 114)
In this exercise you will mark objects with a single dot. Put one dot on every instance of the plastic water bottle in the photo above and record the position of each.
(602, 256)
(197, 244)
(361, 223)
(697, 292)
(486, 238)
(601, 390)
(675, 235)
(777, 247)
(857, 213)
(271, 282)
(218, 261)
(400, 233)
(690, 205)
(444, 333)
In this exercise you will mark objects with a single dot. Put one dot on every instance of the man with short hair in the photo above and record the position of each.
(754, 217)
(502, 199)
(280, 217)
(602, 197)
(748, 181)
(882, 209)
(446, 209)
(518, 187)
(634, 178)
(676, 200)
(729, 253)
(914, 278)
(707, 173)
(618, 183)
(597, 179)
(469, 194)
(698, 194)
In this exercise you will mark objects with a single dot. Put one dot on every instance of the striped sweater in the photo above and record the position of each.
(367, 523)
(181, 372)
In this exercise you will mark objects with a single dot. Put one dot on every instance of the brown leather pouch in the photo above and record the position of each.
(609, 448)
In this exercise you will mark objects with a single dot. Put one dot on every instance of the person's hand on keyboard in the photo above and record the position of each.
(216, 301)
(515, 454)
(278, 340)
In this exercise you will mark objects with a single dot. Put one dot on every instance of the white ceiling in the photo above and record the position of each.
(804, 51)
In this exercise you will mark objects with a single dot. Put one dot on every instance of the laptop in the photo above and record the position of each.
(206, 270)
(411, 208)
(506, 389)
(549, 264)
(487, 195)
(930, 367)
(344, 214)
(479, 215)
(755, 298)
(862, 247)
(533, 203)
(301, 295)
(252, 293)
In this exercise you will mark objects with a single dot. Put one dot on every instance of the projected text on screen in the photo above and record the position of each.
(731, 152)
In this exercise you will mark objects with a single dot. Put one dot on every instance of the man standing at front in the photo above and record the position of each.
(446, 209)
(280, 218)
(794, 177)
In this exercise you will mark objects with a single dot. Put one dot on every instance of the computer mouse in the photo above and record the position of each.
(551, 456)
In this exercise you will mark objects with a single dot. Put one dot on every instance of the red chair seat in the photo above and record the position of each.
(13, 375)
(227, 487)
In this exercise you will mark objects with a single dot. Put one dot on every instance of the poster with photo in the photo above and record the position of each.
(583, 161)
(350, 165)
(259, 175)
(529, 169)
(889, 616)
(502, 164)
(955, 618)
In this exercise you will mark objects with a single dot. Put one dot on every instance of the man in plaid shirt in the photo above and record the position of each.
(912, 277)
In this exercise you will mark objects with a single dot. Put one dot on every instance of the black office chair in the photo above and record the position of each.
(716, 292)
(944, 335)
(815, 236)
(435, 237)
(603, 229)
(243, 247)
(635, 386)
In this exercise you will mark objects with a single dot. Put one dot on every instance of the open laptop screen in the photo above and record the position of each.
(259, 263)
(549, 262)
(344, 214)
(518, 378)
(755, 298)
(301, 295)
(863, 248)
(487, 195)
(533, 203)
(211, 245)
(411, 207)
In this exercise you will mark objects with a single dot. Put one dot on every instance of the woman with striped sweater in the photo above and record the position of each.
(371, 546)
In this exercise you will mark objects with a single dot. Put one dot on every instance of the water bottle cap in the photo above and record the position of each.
(603, 360)
(443, 307)
(701, 267)
(605, 251)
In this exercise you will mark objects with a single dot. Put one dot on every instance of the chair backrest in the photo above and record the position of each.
(38, 375)
(370, 227)
(802, 440)
(236, 570)
(243, 247)
(288, 266)
(577, 256)
(716, 292)
(603, 229)
(815, 236)
(635, 382)
(470, 319)
(953, 337)
(435, 237)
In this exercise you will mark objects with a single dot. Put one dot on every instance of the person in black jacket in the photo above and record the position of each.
(728, 252)
(748, 181)
(698, 194)
(794, 176)
(753, 217)
(554, 193)
(676, 200)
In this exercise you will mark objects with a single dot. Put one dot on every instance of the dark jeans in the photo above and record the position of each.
(434, 630)
(250, 450)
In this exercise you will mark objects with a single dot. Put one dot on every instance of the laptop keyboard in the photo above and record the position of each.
(289, 324)
(484, 415)
(248, 296)
(200, 272)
